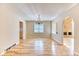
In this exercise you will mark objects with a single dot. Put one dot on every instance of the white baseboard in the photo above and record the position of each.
(4, 51)
(58, 42)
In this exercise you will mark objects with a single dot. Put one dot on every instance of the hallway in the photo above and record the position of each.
(38, 47)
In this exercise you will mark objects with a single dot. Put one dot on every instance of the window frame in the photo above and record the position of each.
(39, 31)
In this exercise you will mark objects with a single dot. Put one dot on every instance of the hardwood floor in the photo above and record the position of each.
(38, 47)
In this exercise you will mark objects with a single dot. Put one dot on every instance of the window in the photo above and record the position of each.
(38, 27)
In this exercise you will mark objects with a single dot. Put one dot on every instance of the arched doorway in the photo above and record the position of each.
(68, 28)
(68, 34)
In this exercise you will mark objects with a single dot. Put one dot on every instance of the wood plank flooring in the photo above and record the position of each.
(38, 47)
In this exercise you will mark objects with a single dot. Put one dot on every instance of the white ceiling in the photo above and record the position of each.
(47, 11)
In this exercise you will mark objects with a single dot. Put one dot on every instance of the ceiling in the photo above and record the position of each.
(47, 11)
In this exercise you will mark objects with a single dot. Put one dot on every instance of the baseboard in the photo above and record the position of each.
(10, 47)
(58, 42)
(4, 51)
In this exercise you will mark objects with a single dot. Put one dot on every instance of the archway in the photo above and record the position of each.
(68, 34)
(68, 28)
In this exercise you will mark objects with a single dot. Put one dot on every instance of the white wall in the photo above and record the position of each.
(30, 33)
(74, 13)
(54, 27)
(58, 36)
(9, 27)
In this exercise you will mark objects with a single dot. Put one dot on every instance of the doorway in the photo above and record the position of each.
(68, 28)
(68, 34)
(21, 30)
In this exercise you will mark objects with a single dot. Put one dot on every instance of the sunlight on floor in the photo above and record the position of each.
(39, 47)
(53, 49)
(69, 42)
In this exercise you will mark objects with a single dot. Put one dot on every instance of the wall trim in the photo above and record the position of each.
(58, 42)
(4, 51)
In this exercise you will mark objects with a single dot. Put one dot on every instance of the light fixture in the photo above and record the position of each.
(38, 18)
